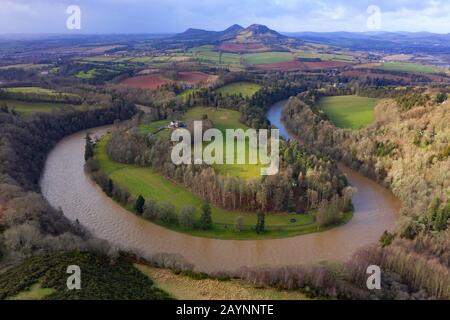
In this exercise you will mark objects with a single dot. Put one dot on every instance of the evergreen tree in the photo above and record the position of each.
(139, 205)
(260, 224)
(205, 218)
(110, 188)
(89, 148)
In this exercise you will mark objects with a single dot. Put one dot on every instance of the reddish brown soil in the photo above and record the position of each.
(301, 65)
(154, 81)
(194, 77)
(241, 47)
(312, 65)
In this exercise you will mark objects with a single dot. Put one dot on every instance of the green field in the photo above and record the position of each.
(325, 56)
(25, 66)
(86, 74)
(268, 57)
(409, 67)
(349, 111)
(246, 89)
(27, 108)
(39, 91)
(223, 119)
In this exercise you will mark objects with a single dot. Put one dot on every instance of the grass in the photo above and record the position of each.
(224, 119)
(36, 292)
(246, 89)
(349, 111)
(25, 66)
(268, 57)
(151, 185)
(86, 74)
(183, 287)
(28, 108)
(325, 56)
(409, 67)
(38, 91)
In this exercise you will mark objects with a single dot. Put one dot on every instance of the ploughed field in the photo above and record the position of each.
(154, 81)
(154, 186)
(352, 112)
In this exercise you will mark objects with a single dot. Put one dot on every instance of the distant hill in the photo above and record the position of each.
(404, 42)
(236, 38)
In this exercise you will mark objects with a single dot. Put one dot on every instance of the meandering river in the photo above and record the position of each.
(66, 186)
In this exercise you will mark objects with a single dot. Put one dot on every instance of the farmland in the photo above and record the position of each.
(349, 111)
(223, 119)
(28, 108)
(268, 57)
(409, 67)
(154, 81)
(246, 89)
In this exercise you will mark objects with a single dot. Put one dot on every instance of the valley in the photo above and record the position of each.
(362, 172)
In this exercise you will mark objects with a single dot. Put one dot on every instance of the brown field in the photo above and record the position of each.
(186, 288)
(301, 65)
(241, 47)
(368, 65)
(196, 77)
(154, 81)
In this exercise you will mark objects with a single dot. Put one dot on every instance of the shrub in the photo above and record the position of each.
(239, 224)
(187, 217)
(150, 210)
(167, 214)
(139, 204)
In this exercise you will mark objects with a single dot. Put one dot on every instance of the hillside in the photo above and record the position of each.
(254, 38)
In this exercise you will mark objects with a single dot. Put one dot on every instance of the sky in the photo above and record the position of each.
(172, 16)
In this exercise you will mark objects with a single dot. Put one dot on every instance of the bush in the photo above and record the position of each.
(187, 217)
(139, 205)
(167, 213)
(239, 224)
(150, 210)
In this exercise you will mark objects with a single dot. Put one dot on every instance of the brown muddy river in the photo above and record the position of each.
(66, 186)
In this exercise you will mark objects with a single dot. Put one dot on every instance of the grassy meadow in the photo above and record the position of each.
(246, 89)
(409, 67)
(27, 108)
(349, 111)
(268, 57)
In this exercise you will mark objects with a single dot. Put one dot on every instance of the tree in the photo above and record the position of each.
(205, 218)
(187, 217)
(89, 148)
(139, 204)
(238, 224)
(110, 188)
(260, 224)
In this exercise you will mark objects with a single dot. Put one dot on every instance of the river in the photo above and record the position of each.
(65, 185)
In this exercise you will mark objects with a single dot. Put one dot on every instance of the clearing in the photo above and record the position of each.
(349, 111)
(246, 89)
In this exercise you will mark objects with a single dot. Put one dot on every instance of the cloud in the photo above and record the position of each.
(156, 16)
